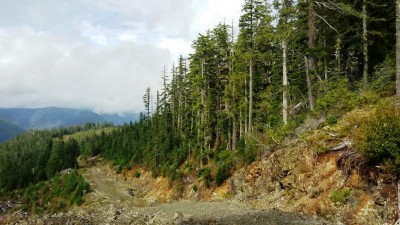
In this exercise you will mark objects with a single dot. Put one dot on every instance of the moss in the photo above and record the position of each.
(341, 196)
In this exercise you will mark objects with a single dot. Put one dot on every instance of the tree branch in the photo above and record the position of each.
(322, 18)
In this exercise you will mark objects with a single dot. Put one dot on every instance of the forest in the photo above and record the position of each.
(239, 95)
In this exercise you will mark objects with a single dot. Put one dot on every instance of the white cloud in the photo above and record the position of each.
(96, 54)
(73, 74)
(176, 46)
(215, 12)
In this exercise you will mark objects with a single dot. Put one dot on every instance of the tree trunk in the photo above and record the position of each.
(325, 62)
(310, 63)
(246, 101)
(202, 132)
(365, 43)
(250, 129)
(234, 134)
(309, 87)
(285, 83)
(398, 49)
(337, 54)
(312, 33)
(240, 125)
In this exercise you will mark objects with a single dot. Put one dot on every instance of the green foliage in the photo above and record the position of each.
(137, 174)
(56, 194)
(225, 161)
(341, 196)
(246, 153)
(194, 188)
(119, 169)
(35, 156)
(384, 78)
(331, 120)
(223, 173)
(205, 175)
(337, 97)
(381, 143)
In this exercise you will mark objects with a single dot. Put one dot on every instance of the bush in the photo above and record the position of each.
(341, 196)
(194, 188)
(381, 143)
(246, 152)
(222, 173)
(384, 77)
(331, 120)
(337, 98)
(205, 175)
(119, 169)
(47, 196)
(137, 174)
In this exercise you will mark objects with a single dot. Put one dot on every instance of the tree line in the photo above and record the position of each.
(238, 95)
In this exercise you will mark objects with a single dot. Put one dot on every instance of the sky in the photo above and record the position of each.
(99, 55)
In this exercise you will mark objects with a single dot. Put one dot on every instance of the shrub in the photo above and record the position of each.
(137, 174)
(194, 188)
(205, 175)
(381, 143)
(180, 188)
(250, 153)
(173, 172)
(247, 152)
(222, 173)
(384, 77)
(56, 194)
(337, 98)
(119, 169)
(341, 196)
(331, 120)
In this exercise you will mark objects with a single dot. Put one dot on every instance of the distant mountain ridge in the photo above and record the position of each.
(44, 118)
(53, 117)
(9, 130)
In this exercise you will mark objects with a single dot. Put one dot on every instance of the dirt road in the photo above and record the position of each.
(113, 190)
(111, 204)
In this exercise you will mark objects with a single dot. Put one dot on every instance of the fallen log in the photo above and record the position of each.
(344, 144)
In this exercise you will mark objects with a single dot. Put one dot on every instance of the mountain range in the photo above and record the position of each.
(9, 130)
(17, 120)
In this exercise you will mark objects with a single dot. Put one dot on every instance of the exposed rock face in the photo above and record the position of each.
(296, 180)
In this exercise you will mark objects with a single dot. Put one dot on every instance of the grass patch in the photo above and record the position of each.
(341, 196)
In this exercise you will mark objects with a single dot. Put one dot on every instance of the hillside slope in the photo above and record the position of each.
(8, 130)
(315, 171)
